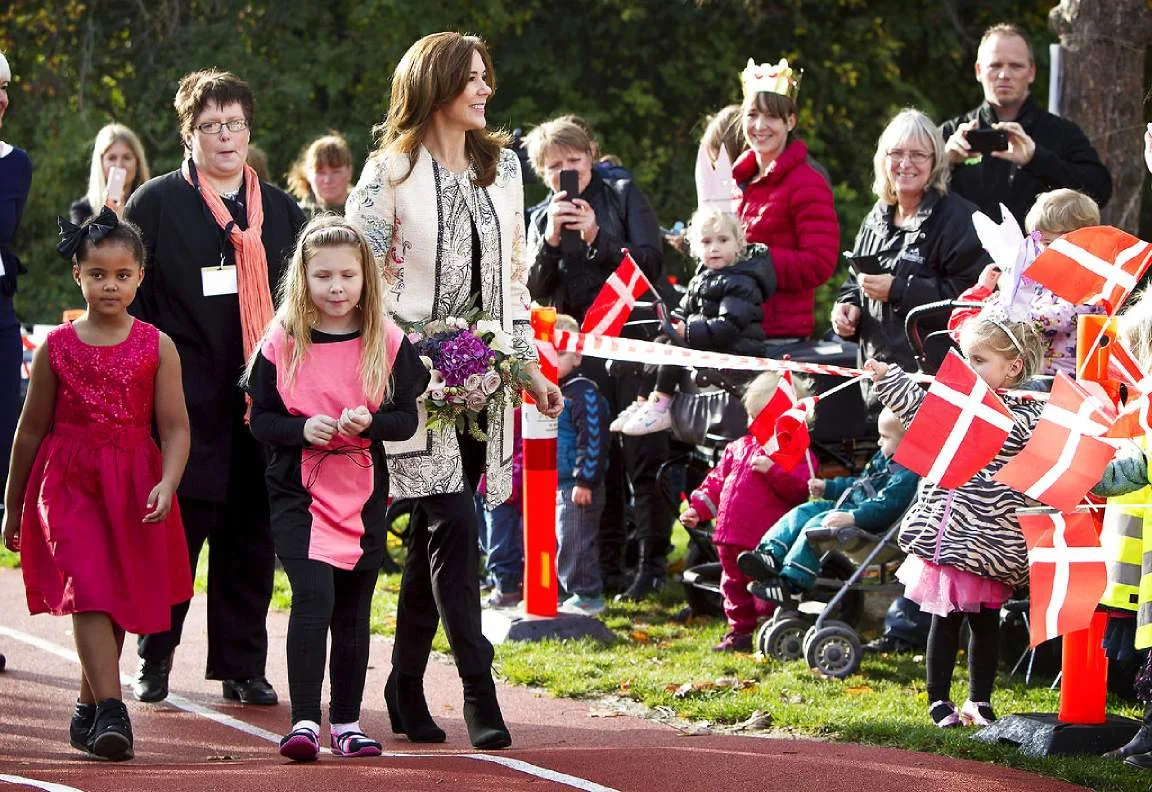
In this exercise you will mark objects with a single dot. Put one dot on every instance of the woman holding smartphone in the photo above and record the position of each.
(119, 166)
(917, 245)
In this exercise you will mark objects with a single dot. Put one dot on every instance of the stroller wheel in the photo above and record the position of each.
(833, 651)
(808, 636)
(783, 639)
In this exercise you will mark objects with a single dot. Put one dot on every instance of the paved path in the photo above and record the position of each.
(197, 741)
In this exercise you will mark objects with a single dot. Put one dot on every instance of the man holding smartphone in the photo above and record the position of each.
(1009, 149)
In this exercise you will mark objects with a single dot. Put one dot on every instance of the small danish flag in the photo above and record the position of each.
(610, 310)
(1135, 418)
(1092, 266)
(1067, 570)
(763, 426)
(1064, 457)
(960, 427)
(790, 440)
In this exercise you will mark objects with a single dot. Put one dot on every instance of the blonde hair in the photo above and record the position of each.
(1135, 328)
(1007, 30)
(909, 125)
(1011, 340)
(563, 132)
(432, 73)
(106, 138)
(705, 219)
(331, 151)
(567, 324)
(723, 131)
(297, 311)
(5, 69)
(1061, 211)
(760, 390)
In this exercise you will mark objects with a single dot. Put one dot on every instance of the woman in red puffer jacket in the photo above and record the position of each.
(785, 203)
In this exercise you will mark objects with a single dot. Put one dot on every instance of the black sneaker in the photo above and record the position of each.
(111, 736)
(757, 565)
(81, 726)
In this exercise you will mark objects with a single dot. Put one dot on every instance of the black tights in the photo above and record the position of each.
(324, 598)
(983, 654)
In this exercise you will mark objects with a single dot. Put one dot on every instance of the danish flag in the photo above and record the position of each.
(1067, 571)
(763, 427)
(790, 440)
(1122, 365)
(1094, 265)
(619, 294)
(1135, 418)
(959, 428)
(1065, 456)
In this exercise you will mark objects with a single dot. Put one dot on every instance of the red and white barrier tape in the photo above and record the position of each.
(636, 351)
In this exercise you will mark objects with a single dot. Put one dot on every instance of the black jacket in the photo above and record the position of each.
(626, 220)
(1063, 158)
(180, 238)
(934, 257)
(723, 308)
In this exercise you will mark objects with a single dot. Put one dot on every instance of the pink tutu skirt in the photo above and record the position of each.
(941, 590)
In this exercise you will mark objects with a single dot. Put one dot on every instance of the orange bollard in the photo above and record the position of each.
(1084, 678)
(1084, 666)
(540, 482)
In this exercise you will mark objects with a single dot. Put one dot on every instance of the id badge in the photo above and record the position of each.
(218, 280)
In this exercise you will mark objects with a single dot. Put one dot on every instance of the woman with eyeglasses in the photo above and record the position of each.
(917, 245)
(217, 239)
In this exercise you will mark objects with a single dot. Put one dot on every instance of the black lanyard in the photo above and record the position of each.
(225, 242)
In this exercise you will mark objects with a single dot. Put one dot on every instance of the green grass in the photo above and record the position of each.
(9, 560)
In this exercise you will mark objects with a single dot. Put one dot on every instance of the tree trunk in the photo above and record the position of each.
(1103, 44)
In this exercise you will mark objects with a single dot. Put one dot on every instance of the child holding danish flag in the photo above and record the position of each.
(965, 549)
(743, 492)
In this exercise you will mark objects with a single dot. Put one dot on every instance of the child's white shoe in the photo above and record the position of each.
(620, 420)
(977, 713)
(944, 715)
(649, 419)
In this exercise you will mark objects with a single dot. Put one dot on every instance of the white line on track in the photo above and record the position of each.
(47, 786)
(179, 702)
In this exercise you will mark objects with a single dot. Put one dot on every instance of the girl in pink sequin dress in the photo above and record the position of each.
(90, 503)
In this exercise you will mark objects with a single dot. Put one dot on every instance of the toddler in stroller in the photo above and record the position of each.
(745, 489)
(872, 502)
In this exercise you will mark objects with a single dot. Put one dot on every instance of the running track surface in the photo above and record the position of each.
(197, 741)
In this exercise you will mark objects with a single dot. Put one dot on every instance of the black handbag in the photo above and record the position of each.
(707, 417)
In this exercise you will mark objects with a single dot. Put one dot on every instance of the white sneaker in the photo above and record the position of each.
(582, 606)
(648, 419)
(620, 420)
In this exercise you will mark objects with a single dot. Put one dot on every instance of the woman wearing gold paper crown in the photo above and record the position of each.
(785, 203)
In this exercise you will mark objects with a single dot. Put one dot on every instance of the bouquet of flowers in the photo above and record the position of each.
(472, 365)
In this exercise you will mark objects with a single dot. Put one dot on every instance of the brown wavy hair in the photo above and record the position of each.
(432, 73)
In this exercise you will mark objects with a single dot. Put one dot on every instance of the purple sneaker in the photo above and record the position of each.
(354, 743)
(300, 745)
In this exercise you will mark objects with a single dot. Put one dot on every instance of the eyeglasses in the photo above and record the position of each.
(915, 157)
(214, 127)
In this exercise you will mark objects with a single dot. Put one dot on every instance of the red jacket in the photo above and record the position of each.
(745, 503)
(791, 211)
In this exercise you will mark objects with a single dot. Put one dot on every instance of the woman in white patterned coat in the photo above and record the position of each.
(441, 201)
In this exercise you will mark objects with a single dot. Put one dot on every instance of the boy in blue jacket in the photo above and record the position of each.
(582, 457)
(872, 501)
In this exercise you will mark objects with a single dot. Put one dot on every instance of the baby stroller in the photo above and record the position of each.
(830, 643)
(842, 437)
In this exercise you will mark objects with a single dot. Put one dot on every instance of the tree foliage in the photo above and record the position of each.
(643, 72)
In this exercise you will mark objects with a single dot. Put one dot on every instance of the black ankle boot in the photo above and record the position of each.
(408, 710)
(1141, 743)
(152, 679)
(486, 727)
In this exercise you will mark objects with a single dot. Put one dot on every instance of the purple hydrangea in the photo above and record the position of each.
(457, 355)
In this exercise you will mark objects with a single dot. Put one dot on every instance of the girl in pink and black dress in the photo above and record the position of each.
(332, 377)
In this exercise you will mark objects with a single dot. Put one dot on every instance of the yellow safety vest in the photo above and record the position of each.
(1127, 539)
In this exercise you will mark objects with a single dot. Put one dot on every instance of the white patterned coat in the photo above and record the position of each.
(420, 232)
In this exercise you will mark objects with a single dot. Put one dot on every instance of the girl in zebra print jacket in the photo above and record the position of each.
(965, 549)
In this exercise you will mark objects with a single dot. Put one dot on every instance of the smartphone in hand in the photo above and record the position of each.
(570, 241)
(115, 189)
(985, 141)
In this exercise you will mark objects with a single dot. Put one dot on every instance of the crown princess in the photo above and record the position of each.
(779, 79)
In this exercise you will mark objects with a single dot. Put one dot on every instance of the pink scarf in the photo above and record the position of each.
(251, 259)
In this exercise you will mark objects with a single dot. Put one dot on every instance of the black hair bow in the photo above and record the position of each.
(94, 229)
